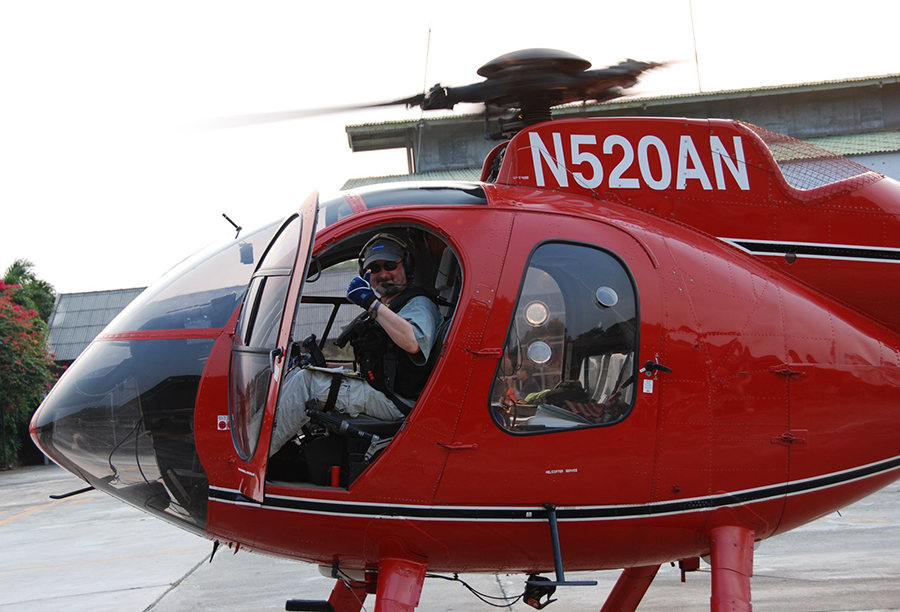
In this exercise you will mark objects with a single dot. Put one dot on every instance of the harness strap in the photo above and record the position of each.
(399, 403)
(333, 391)
(335, 388)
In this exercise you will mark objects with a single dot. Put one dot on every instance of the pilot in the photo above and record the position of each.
(392, 352)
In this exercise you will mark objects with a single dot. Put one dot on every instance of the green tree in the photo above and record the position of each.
(26, 369)
(32, 293)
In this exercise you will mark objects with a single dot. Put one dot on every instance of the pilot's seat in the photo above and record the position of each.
(352, 443)
(378, 427)
(388, 429)
(447, 283)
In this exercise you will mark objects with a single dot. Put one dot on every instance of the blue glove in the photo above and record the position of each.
(360, 292)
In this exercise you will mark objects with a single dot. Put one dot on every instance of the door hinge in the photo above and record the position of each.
(795, 438)
(786, 371)
(458, 446)
(486, 352)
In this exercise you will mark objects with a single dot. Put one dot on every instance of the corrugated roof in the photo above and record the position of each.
(463, 174)
(627, 102)
(78, 317)
(859, 144)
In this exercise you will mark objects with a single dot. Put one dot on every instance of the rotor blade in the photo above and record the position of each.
(236, 121)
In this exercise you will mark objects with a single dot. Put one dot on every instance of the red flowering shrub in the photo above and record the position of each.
(26, 369)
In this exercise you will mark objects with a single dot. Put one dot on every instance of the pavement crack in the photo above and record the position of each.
(175, 584)
(503, 592)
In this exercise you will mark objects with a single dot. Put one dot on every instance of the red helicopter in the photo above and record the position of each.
(707, 310)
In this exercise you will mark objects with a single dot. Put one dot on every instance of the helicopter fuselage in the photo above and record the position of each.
(719, 326)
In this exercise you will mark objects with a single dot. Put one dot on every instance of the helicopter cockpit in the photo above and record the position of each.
(574, 335)
(333, 449)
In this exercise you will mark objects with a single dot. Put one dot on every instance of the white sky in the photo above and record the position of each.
(103, 188)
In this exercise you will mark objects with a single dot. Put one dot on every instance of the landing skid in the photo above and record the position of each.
(344, 598)
(400, 580)
(731, 557)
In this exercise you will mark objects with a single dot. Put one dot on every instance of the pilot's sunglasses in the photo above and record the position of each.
(390, 266)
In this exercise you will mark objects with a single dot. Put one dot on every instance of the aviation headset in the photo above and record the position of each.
(407, 261)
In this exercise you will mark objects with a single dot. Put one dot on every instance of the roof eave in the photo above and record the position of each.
(396, 134)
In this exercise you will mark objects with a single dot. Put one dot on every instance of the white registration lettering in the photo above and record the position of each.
(654, 162)
(556, 164)
(665, 165)
(615, 177)
(736, 164)
(579, 157)
(686, 150)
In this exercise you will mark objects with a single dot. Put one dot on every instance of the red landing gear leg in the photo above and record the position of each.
(630, 589)
(399, 585)
(731, 554)
(346, 599)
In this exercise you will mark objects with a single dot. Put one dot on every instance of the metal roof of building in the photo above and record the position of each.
(851, 117)
(859, 144)
(78, 317)
(460, 174)
(626, 102)
(392, 134)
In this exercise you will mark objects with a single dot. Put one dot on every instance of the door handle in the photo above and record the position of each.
(458, 446)
(273, 355)
(651, 366)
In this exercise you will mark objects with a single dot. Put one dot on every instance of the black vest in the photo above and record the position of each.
(386, 366)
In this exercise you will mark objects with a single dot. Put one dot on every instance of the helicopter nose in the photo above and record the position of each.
(122, 419)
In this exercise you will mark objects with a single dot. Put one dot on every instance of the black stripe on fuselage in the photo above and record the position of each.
(816, 251)
(519, 513)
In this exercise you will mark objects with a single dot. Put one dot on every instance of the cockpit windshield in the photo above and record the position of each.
(203, 291)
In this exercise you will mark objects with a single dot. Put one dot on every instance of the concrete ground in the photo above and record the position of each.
(93, 553)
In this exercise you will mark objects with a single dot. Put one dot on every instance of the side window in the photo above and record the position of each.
(324, 310)
(569, 359)
(331, 454)
(256, 335)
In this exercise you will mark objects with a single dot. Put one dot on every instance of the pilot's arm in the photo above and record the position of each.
(399, 329)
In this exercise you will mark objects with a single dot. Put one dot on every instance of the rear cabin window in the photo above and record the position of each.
(569, 358)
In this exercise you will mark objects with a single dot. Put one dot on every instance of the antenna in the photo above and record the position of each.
(427, 52)
(694, 36)
(415, 161)
(235, 225)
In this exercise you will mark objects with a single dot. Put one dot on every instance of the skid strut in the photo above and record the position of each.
(630, 589)
(557, 556)
(347, 599)
(399, 585)
(731, 556)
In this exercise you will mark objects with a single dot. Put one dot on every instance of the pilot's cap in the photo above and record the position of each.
(383, 249)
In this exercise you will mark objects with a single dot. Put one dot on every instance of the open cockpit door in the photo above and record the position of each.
(260, 344)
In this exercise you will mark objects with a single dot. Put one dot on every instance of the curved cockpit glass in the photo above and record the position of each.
(256, 336)
(203, 291)
(122, 417)
(570, 355)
